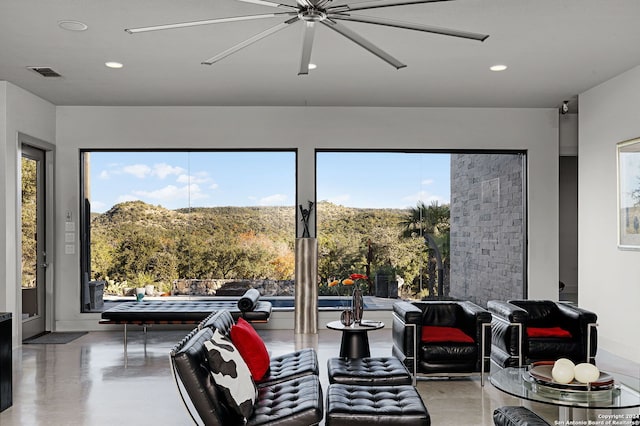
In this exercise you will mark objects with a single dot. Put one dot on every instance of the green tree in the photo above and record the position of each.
(29, 222)
(134, 253)
(432, 223)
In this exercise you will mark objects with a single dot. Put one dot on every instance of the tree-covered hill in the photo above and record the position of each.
(138, 241)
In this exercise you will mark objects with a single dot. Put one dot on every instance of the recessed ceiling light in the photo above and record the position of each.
(115, 65)
(312, 66)
(498, 67)
(72, 25)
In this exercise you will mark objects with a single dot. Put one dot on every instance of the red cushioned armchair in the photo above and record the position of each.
(525, 331)
(442, 338)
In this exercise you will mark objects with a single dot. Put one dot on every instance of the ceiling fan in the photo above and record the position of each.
(313, 12)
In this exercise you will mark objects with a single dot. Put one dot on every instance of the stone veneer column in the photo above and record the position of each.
(487, 227)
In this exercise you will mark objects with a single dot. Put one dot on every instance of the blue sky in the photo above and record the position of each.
(383, 180)
(208, 179)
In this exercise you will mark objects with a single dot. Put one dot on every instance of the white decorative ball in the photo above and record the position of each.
(565, 361)
(586, 373)
(562, 372)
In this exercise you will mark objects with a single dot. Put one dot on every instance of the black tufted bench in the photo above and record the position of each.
(145, 313)
(382, 371)
(353, 405)
(517, 416)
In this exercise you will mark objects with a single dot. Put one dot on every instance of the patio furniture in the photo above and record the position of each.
(525, 331)
(442, 338)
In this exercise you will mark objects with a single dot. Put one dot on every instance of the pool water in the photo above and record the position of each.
(334, 303)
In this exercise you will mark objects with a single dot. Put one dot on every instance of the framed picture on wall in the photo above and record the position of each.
(629, 194)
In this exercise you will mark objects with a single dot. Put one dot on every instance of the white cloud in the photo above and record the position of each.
(340, 199)
(200, 178)
(162, 170)
(424, 196)
(428, 182)
(272, 200)
(172, 193)
(159, 170)
(126, 197)
(138, 170)
(98, 206)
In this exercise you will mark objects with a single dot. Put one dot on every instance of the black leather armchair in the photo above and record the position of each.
(441, 356)
(519, 336)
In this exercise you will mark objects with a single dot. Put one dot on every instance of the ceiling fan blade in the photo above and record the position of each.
(204, 22)
(408, 26)
(270, 4)
(362, 42)
(378, 4)
(307, 45)
(250, 41)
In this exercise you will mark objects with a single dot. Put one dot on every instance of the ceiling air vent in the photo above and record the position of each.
(45, 71)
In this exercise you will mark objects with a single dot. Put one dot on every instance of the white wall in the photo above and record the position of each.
(609, 278)
(569, 134)
(535, 130)
(6, 294)
(20, 112)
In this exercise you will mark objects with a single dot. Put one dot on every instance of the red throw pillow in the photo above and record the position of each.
(251, 348)
(548, 332)
(435, 334)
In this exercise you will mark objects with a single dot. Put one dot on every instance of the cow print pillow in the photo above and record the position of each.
(231, 375)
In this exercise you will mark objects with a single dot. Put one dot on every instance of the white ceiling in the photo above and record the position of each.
(555, 49)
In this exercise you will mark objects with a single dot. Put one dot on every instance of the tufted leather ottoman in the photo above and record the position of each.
(383, 371)
(352, 405)
(517, 416)
(291, 365)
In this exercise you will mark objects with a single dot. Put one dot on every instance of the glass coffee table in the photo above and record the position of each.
(574, 403)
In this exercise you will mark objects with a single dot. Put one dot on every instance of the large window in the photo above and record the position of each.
(185, 223)
(424, 224)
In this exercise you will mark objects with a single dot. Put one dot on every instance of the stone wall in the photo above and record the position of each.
(487, 223)
(215, 287)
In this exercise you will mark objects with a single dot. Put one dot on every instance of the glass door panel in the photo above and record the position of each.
(33, 254)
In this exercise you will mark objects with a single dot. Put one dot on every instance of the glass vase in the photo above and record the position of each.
(357, 305)
(346, 317)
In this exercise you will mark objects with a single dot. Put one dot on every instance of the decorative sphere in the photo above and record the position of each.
(563, 372)
(565, 361)
(586, 373)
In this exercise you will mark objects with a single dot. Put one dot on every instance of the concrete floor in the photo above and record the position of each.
(90, 382)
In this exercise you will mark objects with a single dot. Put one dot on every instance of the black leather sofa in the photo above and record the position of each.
(290, 394)
(514, 343)
(446, 358)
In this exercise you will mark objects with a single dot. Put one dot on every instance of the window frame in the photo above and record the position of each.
(84, 271)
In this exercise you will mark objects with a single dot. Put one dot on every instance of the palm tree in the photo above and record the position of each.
(432, 223)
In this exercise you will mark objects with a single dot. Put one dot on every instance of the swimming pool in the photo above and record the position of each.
(283, 302)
